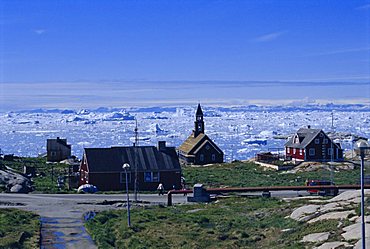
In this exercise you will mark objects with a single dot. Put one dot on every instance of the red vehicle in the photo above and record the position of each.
(323, 192)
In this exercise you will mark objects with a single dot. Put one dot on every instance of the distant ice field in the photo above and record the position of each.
(240, 131)
(76, 95)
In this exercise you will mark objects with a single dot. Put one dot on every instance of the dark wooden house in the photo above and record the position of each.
(198, 148)
(102, 167)
(57, 149)
(312, 145)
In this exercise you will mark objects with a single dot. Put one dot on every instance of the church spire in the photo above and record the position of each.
(199, 123)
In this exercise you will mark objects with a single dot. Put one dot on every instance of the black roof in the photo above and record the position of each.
(305, 135)
(149, 159)
(199, 111)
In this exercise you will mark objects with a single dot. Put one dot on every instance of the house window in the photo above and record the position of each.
(53, 153)
(300, 152)
(294, 151)
(155, 176)
(312, 151)
(201, 157)
(213, 157)
(151, 177)
(207, 147)
(288, 150)
(123, 177)
(329, 151)
(317, 140)
(321, 135)
(326, 141)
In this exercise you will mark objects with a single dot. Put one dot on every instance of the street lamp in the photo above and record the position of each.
(126, 166)
(362, 146)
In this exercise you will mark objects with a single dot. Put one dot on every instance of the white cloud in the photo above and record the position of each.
(269, 37)
(363, 7)
(39, 31)
(343, 51)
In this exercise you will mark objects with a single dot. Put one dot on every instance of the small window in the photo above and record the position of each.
(53, 153)
(201, 157)
(326, 141)
(155, 176)
(294, 151)
(151, 177)
(317, 141)
(321, 135)
(148, 177)
(213, 157)
(288, 150)
(207, 147)
(329, 151)
(312, 151)
(301, 152)
(123, 177)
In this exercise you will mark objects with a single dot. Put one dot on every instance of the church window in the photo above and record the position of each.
(201, 157)
(213, 157)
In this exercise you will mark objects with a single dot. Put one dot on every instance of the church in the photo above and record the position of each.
(198, 148)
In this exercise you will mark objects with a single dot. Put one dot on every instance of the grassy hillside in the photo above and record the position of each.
(246, 174)
(19, 229)
(228, 223)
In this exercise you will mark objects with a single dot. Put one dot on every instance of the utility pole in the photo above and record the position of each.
(136, 160)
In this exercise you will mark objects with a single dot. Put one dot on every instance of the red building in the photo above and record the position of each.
(102, 167)
(312, 145)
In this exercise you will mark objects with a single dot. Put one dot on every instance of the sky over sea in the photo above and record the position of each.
(65, 54)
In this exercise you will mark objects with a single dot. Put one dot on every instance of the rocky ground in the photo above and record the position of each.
(345, 209)
(13, 182)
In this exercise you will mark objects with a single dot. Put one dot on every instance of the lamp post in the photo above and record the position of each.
(362, 146)
(126, 166)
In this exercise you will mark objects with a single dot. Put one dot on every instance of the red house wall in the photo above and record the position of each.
(295, 154)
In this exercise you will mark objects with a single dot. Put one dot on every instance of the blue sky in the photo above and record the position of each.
(178, 40)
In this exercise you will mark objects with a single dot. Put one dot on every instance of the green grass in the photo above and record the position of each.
(19, 229)
(240, 174)
(42, 184)
(234, 222)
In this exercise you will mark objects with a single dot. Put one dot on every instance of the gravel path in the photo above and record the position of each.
(62, 222)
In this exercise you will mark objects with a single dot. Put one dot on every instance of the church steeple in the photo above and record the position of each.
(199, 123)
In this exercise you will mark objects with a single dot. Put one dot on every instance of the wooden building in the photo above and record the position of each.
(57, 149)
(102, 167)
(198, 148)
(312, 145)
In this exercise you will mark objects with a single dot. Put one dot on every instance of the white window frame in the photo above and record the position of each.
(330, 151)
(301, 152)
(325, 141)
(154, 176)
(294, 151)
(288, 150)
(317, 140)
(312, 152)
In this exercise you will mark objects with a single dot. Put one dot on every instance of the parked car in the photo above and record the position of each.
(323, 192)
(87, 188)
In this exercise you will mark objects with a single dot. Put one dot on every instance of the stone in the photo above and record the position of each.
(353, 232)
(333, 216)
(18, 189)
(300, 213)
(316, 237)
(334, 245)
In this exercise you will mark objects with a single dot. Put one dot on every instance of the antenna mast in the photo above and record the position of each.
(136, 160)
(331, 146)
